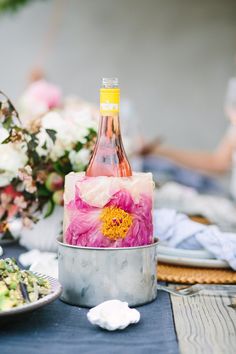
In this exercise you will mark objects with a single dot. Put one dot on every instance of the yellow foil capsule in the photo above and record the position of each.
(109, 101)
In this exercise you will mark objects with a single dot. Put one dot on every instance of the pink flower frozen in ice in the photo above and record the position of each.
(120, 223)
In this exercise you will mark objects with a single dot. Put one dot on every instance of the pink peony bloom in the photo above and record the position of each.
(120, 223)
(44, 93)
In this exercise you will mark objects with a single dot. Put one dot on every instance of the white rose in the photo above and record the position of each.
(82, 121)
(71, 126)
(53, 120)
(12, 159)
(45, 143)
(29, 107)
(64, 134)
(58, 150)
(64, 142)
(79, 159)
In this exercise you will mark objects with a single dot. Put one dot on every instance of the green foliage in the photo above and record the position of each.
(49, 207)
(13, 5)
(52, 134)
(63, 166)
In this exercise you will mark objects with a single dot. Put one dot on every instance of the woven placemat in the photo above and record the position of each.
(187, 275)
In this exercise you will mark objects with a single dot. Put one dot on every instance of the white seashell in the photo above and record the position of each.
(112, 315)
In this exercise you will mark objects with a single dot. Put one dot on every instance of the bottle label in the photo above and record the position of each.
(109, 101)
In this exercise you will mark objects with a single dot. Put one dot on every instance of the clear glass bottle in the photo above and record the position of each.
(109, 157)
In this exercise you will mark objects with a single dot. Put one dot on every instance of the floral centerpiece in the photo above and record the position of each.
(47, 139)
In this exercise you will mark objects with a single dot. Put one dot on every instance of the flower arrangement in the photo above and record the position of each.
(47, 139)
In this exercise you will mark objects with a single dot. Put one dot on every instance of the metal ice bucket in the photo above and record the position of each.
(92, 275)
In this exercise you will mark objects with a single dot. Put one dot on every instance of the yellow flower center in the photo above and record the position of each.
(115, 222)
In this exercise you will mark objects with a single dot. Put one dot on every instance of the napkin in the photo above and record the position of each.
(218, 210)
(177, 230)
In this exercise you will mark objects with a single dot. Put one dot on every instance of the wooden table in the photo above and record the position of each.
(205, 324)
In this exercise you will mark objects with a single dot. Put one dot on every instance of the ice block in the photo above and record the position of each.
(108, 211)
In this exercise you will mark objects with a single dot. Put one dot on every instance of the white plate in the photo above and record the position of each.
(181, 252)
(56, 290)
(192, 262)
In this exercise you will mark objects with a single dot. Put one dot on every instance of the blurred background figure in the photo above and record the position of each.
(218, 162)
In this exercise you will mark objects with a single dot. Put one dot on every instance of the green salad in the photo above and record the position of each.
(19, 287)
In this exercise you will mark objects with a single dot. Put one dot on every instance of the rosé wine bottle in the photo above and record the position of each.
(109, 157)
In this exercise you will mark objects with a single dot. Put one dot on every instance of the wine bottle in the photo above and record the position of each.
(109, 157)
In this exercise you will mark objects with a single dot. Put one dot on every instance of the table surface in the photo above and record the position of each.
(200, 324)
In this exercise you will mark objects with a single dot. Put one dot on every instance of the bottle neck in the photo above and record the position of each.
(109, 126)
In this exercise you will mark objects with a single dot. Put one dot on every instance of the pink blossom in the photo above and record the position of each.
(44, 93)
(96, 227)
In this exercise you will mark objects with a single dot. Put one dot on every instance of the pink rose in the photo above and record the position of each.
(43, 92)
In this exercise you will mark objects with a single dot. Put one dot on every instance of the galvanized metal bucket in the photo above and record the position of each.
(91, 275)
